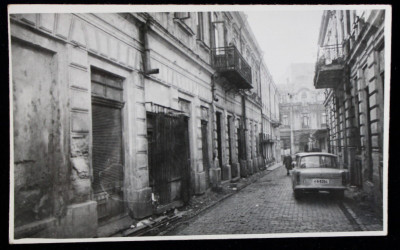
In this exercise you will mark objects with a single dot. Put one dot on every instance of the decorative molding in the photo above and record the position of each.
(184, 26)
(80, 32)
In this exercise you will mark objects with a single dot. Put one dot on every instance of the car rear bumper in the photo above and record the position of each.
(313, 188)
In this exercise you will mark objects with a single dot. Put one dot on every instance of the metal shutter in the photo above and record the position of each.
(107, 148)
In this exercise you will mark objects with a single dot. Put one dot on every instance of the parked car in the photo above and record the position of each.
(314, 172)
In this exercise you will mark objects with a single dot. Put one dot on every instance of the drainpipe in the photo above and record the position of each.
(262, 123)
(146, 62)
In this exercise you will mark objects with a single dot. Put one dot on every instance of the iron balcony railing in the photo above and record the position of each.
(329, 66)
(330, 54)
(225, 59)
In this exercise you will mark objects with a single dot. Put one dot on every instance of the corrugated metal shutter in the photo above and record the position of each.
(107, 148)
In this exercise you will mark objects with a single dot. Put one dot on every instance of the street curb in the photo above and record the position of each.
(201, 211)
(354, 216)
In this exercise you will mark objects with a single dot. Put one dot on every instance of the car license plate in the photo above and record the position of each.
(320, 181)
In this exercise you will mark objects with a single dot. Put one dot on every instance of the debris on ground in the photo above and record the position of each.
(197, 203)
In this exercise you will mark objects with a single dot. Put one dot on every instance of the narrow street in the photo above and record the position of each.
(138, 121)
(268, 206)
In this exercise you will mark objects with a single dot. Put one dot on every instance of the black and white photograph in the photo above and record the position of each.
(177, 122)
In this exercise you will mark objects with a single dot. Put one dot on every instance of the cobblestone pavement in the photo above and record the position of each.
(268, 206)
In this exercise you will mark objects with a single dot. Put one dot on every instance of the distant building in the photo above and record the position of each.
(351, 69)
(301, 110)
(270, 138)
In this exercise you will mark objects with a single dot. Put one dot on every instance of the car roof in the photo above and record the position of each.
(315, 153)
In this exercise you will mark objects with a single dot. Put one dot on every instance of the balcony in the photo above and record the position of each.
(329, 67)
(265, 138)
(231, 65)
(275, 123)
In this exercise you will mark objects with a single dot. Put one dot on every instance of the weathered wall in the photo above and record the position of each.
(34, 116)
(183, 76)
(52, 101)
(41, 165)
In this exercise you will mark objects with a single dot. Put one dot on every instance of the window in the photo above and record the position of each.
(213, 17)
(200, 26)
(216, 37)
(218, 31)
(323, 121)
(382, 69)
(236, 38)
(285, 120)
(318, 161)
(381, 60)
(219, 34)
(305, 121)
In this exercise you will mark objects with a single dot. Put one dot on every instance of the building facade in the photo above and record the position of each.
(270, 138)
(301, 111)
(350, 68)
(121, 116)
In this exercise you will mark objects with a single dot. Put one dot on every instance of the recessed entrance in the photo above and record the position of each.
(219, 142)
(206, 159)
(168, 159)
(107, 150)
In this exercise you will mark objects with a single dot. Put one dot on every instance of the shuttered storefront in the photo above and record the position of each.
(107, 145)
(107, 149)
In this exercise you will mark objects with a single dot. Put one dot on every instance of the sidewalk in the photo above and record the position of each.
(362, 211)
(198, 204)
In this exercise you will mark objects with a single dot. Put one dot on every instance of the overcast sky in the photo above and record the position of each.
(286, 37)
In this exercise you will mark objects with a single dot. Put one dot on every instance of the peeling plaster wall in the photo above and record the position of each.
(52, 55)
(35, 116)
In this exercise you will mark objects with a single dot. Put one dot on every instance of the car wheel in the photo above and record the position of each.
(297, 194)
(339, 194)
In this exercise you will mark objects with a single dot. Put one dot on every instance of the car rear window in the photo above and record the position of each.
(318, 161)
